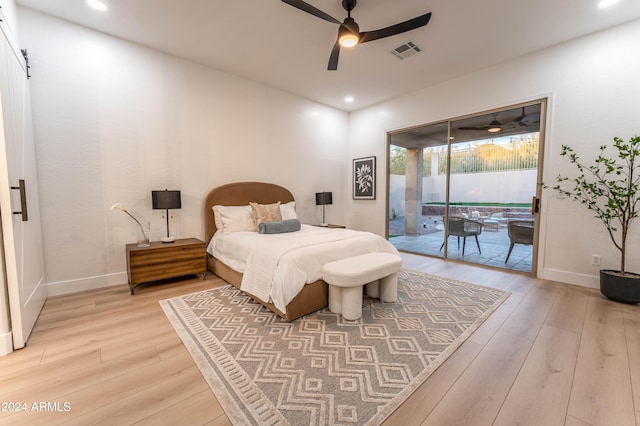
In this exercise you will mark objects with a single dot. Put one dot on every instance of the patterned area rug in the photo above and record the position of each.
(322, 369)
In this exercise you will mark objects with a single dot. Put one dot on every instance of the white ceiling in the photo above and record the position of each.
(273, 43)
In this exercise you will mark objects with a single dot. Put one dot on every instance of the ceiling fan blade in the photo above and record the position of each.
(531, 119)
(518, 119)
(402, 27)
(306, 7)
(333, 58)
(473, 128)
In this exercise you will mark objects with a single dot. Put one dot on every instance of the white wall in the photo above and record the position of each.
(594, 95)
(114, 120)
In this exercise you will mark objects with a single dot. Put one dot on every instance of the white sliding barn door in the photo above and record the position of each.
(22, 234)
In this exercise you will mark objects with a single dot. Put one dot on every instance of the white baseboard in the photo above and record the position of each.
(6, 344)
(583, 280)
(83, 284)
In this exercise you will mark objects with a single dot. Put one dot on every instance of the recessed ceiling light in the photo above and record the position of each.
(348, 99)
(97, 5)
(606, 3)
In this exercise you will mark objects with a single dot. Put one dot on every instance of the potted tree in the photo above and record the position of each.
(610, 188)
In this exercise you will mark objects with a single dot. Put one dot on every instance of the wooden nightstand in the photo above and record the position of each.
(165, 260)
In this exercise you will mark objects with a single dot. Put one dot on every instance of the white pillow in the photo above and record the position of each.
(234, 218)
(288, 210)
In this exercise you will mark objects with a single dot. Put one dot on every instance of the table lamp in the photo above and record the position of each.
(165, 200)
(322, 199)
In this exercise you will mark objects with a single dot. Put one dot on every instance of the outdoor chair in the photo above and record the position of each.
(463, 227)
(520, 232)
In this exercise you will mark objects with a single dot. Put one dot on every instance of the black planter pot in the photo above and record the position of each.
(624, 289)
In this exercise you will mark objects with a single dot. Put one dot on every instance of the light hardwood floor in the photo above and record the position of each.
(552, 354)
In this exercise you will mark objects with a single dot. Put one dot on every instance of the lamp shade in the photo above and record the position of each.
(166, 199)
(323, 198)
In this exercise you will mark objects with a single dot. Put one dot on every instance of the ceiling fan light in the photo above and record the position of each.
(493, 129)
(348, 39)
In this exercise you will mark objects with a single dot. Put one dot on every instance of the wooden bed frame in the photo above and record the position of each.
(313, 296)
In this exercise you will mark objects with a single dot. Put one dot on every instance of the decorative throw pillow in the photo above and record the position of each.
(288, 210)
(265, 213)
(234, 218)
(285, 225)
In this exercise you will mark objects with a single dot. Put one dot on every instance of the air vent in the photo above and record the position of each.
(405, 50)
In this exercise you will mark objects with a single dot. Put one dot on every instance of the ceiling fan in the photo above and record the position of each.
(493, 127)
(349, 33)
(529, 122)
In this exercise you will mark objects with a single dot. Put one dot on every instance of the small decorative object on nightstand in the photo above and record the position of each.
(322, 199)
(165, 200)
(160, 261)
(143, 238)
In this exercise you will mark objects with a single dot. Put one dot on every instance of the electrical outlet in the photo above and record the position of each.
(595, 259)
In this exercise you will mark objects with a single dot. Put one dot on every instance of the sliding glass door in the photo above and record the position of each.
(465, 189)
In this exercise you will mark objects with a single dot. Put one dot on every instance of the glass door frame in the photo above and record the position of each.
(543, 103)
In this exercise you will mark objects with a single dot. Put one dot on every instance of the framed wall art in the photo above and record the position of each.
(364, 178)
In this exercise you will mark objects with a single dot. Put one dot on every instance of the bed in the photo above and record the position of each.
(313, 292)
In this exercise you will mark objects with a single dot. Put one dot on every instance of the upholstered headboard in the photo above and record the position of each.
(241, 194)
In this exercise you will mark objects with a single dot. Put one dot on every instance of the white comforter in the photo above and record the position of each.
(277, 266)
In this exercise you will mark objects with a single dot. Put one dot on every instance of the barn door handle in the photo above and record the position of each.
(23, 200)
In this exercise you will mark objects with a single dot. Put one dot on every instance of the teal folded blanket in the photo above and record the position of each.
(289, 225)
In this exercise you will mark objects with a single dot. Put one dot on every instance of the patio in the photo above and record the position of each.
(493, 243)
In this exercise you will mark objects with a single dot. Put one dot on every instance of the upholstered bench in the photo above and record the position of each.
(379, 271)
